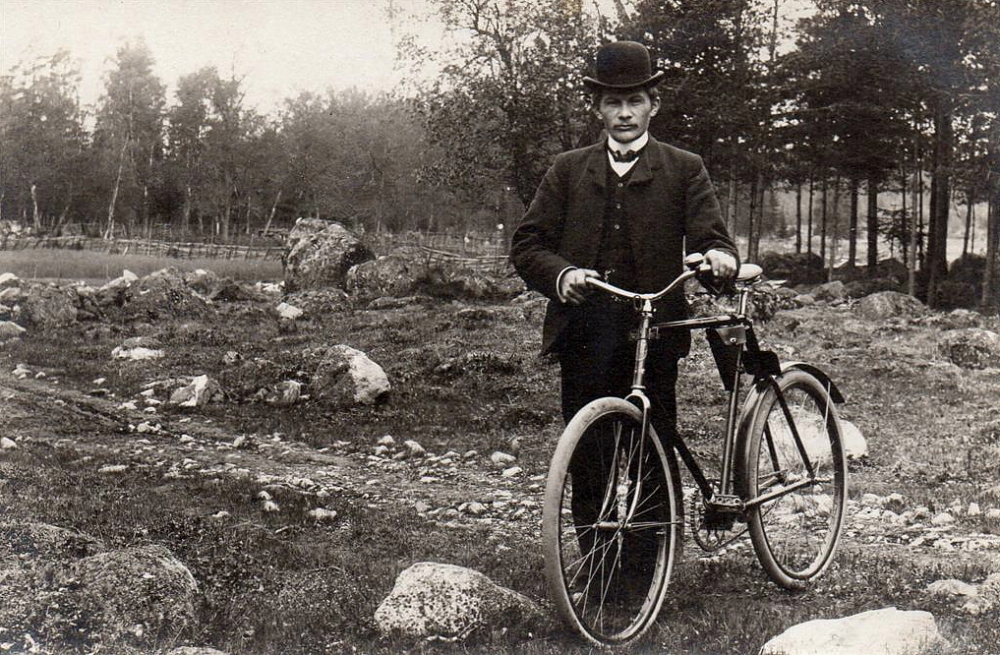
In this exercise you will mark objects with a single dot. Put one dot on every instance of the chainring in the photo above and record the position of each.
(713, 530)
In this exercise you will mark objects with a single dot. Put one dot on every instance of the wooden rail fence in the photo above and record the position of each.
(486, 254)
(144, 247)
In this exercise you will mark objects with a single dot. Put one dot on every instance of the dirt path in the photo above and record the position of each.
(456, 490)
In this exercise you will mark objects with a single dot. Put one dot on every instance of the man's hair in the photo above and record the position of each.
(597, 94)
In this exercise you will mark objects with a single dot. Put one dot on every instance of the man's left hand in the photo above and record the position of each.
(723, 265)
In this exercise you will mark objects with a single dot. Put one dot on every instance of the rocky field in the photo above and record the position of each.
(193, 462)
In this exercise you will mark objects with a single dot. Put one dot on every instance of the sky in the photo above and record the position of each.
(277, 47)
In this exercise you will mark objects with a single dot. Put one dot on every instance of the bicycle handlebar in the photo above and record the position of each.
(695, 263)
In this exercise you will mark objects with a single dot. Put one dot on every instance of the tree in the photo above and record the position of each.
(43, 154)
(188, 124)
(849, 100)
(128, 133)
(510, 96)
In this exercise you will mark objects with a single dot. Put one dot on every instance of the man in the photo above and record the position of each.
(619, 210)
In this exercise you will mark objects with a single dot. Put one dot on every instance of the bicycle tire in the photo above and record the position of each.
(608, 577)
(796, 533)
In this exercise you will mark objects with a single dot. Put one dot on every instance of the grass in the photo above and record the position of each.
(284, 583)
(98, 268)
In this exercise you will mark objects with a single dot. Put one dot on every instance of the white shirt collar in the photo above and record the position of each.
(622, 148)
(622, 167)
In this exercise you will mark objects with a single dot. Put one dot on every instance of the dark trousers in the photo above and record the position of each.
(597, 359)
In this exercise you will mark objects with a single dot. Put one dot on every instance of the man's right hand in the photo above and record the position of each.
(573, 287)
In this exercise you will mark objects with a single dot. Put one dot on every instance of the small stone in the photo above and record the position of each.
(974, 509)
(871, 500)
(270, 506)
(7, 444)
(381, 451)
(944, 518)
(951, 587)
(113, 468)
(470, 454)
(387, 441)
(475, 508)
(136, 354)
(322, 514)
(512, 472)
(414, 449)
(421, 507)
(186, 438)
(288, 312)
(501, 459)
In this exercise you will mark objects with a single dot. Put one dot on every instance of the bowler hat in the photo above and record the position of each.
(622, 65)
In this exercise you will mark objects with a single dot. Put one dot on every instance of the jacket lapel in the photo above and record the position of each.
(597, 165)
(648, 164)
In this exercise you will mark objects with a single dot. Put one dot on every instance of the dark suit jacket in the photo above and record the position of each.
(669, 197)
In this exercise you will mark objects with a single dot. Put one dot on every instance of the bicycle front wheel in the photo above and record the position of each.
(795, 479)
(611, 525)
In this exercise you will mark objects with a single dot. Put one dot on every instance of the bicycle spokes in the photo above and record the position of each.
(797, 480)
(616, 529)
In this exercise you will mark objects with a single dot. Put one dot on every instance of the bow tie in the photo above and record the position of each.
(625, 157)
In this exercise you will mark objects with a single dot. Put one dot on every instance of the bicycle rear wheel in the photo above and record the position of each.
(611, 525)
(796, 528)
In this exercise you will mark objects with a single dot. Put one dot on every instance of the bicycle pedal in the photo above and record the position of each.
(724, 504)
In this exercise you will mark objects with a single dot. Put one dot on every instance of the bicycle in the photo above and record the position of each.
(783, 478)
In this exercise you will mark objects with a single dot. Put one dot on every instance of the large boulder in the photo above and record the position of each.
(10, 330)
(138, 595)
(468, 284)
(201, 391)
(391, 275)
(345, 376)
(971, 347)
(319, 254)
(886, 631)
(203, 281)
(889, 304)
(63, 588)
(9, 280)
(793, 267)
(829, 291)
(443, 601)
(163, 293)
(866, 287)
(44, 306)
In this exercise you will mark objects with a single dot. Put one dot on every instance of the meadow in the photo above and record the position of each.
(282, 582)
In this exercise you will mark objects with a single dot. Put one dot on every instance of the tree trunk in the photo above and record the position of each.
(274, 208)
(109, 232)
(750, 226)
(872, 226)
(968, 222)
(852, 235)
(822, 229)
(937, 254)
(798, 217)
(991, 276)
(36, 215)
(809, 231)
(835, 233)
(911, 266)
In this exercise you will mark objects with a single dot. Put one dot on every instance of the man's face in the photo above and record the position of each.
(626, 114)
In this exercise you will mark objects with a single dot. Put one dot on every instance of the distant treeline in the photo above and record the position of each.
(875, 96)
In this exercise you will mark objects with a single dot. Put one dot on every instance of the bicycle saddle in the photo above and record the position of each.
(748, 272)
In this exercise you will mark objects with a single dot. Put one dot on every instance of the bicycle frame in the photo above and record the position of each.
(736, 329)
